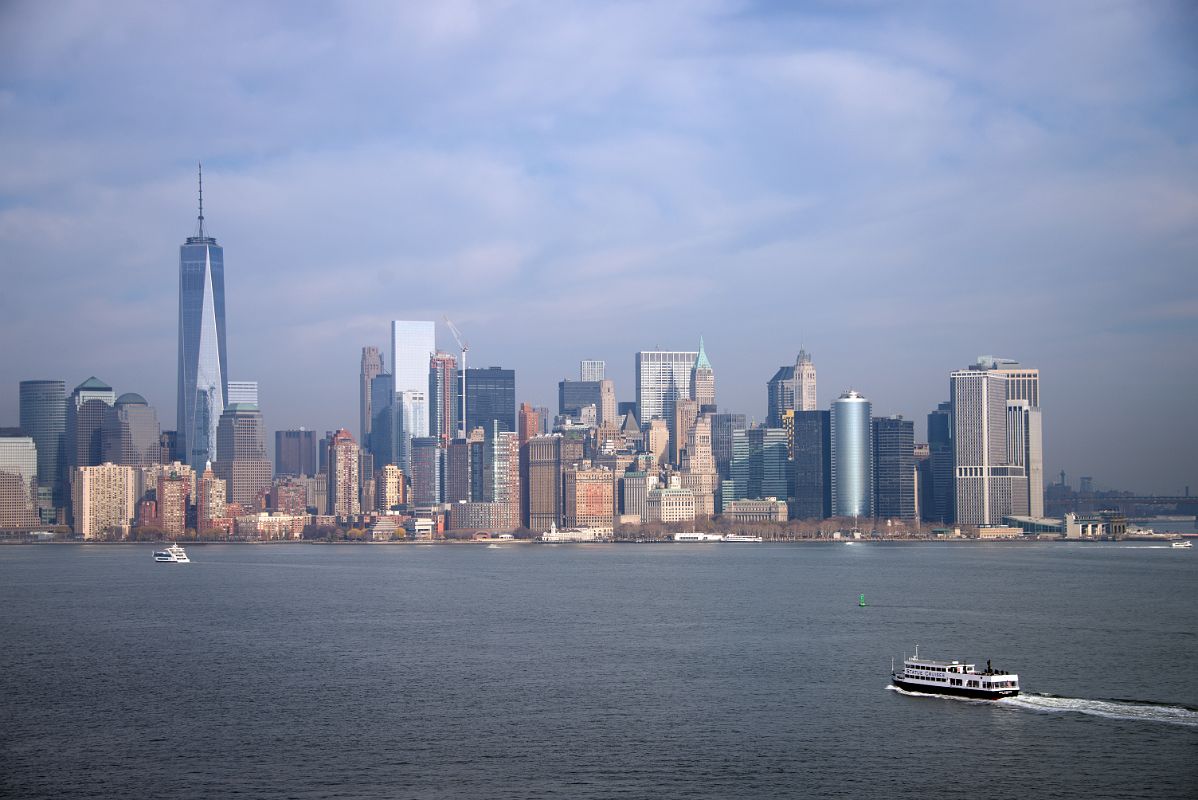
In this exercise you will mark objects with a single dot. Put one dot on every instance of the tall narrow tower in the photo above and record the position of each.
(702, 379)
(372, 367)
(804, 383)
(203, 387)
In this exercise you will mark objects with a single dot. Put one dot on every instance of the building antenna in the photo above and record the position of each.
(200, 168)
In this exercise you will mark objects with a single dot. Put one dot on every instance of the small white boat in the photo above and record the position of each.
(172, 555)
(698, 536)
(1179, 545)
(740, 537)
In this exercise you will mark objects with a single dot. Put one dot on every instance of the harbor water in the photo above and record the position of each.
(594, 671)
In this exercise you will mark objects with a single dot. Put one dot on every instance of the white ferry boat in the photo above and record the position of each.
(740, 537)
(172, 555)
(696, 536)
(954, 678)
(1179, 545)
(576, 535)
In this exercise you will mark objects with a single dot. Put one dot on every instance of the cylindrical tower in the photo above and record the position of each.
(852, 457)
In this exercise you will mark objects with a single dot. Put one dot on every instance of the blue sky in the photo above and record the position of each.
(899, 188)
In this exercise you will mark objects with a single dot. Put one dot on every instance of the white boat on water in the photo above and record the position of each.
(930, 676)
(740, 537)
(1179, 545)
(697, 536)
(174, 554)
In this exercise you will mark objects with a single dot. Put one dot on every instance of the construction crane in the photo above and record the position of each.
(465, 348)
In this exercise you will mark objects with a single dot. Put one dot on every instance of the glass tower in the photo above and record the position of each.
(203, 388)
(44, 418)
(852, 457)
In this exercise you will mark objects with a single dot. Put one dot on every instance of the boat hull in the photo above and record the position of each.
(953, 691)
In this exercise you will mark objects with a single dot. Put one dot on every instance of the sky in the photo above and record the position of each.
(898, 188)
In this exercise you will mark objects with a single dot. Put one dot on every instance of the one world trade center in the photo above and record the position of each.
(203, 372)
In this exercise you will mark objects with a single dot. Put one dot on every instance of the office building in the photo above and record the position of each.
(384, 428)
(987, 486)
(131, 434)
(669, 504)
(722, 427)
(104, 500)
(852, 456)
(662, 377)
(703, 381)
(894, 468)
(542, 482)
(940, 492)
(780, 396)
(343, 496)
(588, 496)
(413, 343)
(812, 464)
(295, 452)
(1024, 427)
(592, 371)
(754, 510)
(203, 374)
(412, 423)
(528, 423)
(371, 367)
(168, 447)
(443, 397)
(18, 480)
(574, 396)
(608, 406)
(43, 417)
(804, 383)
(759, 465)
(86, 410)
(241, 454)
(491, 397)
(244, 392)
(686, 411)
(656, 441)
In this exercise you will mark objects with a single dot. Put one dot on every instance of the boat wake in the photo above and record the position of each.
(1108, 709)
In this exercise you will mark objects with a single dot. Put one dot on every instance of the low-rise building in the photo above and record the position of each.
(769, 509)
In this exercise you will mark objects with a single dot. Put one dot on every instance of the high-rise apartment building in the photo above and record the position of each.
(241, 454)
(987, 485)
(703, 381)
(443, 397)
(343, 464)
(203, 390)
(894, 467)
(458, 485)
(591, 371)
(662, 377)
(501, 476)
(490, 397)
(759, 466)
(852, 457)
(104, 500)
(210, 501)
(131, 434)
(428, 471)
(370, 368)
(18, 480)
(812, 464)
(391, 488)
(44, 418)
(295, 452)
(172, 496)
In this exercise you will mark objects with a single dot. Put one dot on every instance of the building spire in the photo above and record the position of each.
(701, 361)
(200, 168)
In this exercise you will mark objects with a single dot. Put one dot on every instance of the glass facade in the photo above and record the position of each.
(491, 397)
(940, 465)
(852, 457)
(894, 468)
(44, 419)
(759, 465)
(722, 427)
(131, 433)
(661, 378)
(18, 481)
(574, 396)
(203, 390)
(812, 465)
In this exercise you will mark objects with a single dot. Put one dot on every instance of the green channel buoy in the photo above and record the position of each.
(861, 601)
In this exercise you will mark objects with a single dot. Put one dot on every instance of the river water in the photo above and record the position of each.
(594, 671)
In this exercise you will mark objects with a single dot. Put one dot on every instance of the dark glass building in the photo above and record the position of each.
(490, 397)
(940, 468)
(131, 434)
(722, 428)
(428, 470)
(44, 419)
(86, 410)
(812, 465)
(384, 428)
(203, 380)
(759, 465)
(295, 452)
(894, 467)
(573, 396)
(780, 395)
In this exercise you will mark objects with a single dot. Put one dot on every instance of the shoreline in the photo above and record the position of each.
(503, 542)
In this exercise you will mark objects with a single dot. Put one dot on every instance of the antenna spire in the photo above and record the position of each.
(200, 168)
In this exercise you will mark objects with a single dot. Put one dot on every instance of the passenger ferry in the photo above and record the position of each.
(954, 678)
(1180, 545)
(740, 537)
(698, 536)
(172, 555)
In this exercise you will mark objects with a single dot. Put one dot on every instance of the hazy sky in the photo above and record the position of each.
(900, 188)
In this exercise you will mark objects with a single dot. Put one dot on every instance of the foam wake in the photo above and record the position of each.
(1108, 709)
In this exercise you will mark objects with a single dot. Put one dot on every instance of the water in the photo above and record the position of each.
(697, 671)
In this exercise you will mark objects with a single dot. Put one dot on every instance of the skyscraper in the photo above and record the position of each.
(86, 410)
(894, 468)
(804, 383)
(203, 390)
(244, 392)
(44, 418)
(988, 487)
(661, 378)
(443, 397)
(703, 381)
(940, 466)
(370, 368)
(295, 452)
(608, 413)
(722, 428)
(852, 457)
(241, 454)
(104, 500)
(18, 480)
(491, 397)
(131, 432)
(528, 423)
(759, 466)
(413, 423)
(812, 464)
(574, 396)
(542, 482)
(384, 428)
(412, 344)
(591, 371)
(780, 396)
(1025, 435)
(428, 471)
(343, 475)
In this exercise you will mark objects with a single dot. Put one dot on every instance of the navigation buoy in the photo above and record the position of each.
(861, 601)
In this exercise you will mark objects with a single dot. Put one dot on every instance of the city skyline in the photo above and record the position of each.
(1072, 184)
